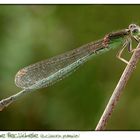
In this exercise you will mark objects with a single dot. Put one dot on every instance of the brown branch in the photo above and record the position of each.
(118, 90)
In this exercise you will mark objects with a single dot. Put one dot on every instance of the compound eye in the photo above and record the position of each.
(131, 26)
(135, 31)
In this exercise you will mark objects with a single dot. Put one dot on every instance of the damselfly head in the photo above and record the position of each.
(135, 31)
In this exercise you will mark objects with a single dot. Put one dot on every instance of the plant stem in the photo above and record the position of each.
(118, 90)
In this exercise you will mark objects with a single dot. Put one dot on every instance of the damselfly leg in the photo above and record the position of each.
(128, 44)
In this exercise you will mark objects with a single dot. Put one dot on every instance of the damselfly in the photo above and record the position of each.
(47, 72)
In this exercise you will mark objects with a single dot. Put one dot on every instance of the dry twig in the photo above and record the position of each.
(118, 90)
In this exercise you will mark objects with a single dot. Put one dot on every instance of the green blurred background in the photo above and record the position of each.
(30, 33)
